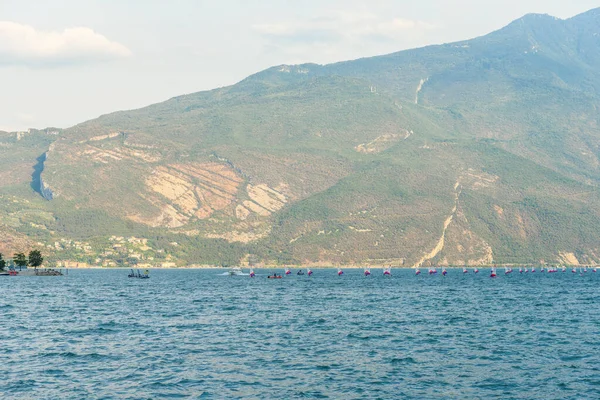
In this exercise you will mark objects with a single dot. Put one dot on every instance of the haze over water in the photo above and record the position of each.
(197, 334)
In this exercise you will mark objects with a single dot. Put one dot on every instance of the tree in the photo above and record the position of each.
(2, 263)
(35, 258)
(20, 260)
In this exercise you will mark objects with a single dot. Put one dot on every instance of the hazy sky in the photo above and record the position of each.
(66, 61)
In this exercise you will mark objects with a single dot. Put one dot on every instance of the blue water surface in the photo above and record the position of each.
(95, 334)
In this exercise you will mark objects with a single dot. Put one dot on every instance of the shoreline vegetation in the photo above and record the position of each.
(36, 260)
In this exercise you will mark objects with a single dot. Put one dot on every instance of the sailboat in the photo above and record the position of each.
(465, 270)
(564, 269)
(444, 271)
(476, 270)
(309, 272)
(252, 274)
(367, 271)
(340, 272)
(288, 271)
(585, 269)
(493, 272)
(532, 268)
(387, 271)
(417, 271)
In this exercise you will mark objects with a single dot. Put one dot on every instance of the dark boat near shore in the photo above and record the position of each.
(139, 275)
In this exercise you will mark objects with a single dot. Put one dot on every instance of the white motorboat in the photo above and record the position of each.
(236, 271)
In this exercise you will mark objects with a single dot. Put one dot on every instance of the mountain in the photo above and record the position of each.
(470, 152)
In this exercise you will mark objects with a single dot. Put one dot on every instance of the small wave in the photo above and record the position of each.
(311, 395)
(317, 321)
(56, 372)
(573, 357)
(404, 360)
(357, 337)
(66, 354)
(20, 385)
(70, 355)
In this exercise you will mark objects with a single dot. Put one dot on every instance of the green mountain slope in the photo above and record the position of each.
(473, 151)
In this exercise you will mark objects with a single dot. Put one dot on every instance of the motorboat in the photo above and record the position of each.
(235, 271)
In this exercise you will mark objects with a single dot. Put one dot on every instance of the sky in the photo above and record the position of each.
(63, 62)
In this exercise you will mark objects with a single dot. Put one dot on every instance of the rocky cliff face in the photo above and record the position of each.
(45, 190)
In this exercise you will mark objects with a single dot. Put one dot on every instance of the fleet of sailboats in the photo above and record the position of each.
(387, 271)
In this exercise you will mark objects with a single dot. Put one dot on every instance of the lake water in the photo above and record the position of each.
(95, 334)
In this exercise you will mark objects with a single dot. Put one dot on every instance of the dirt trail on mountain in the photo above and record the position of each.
(440, 244)
(419, 88)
